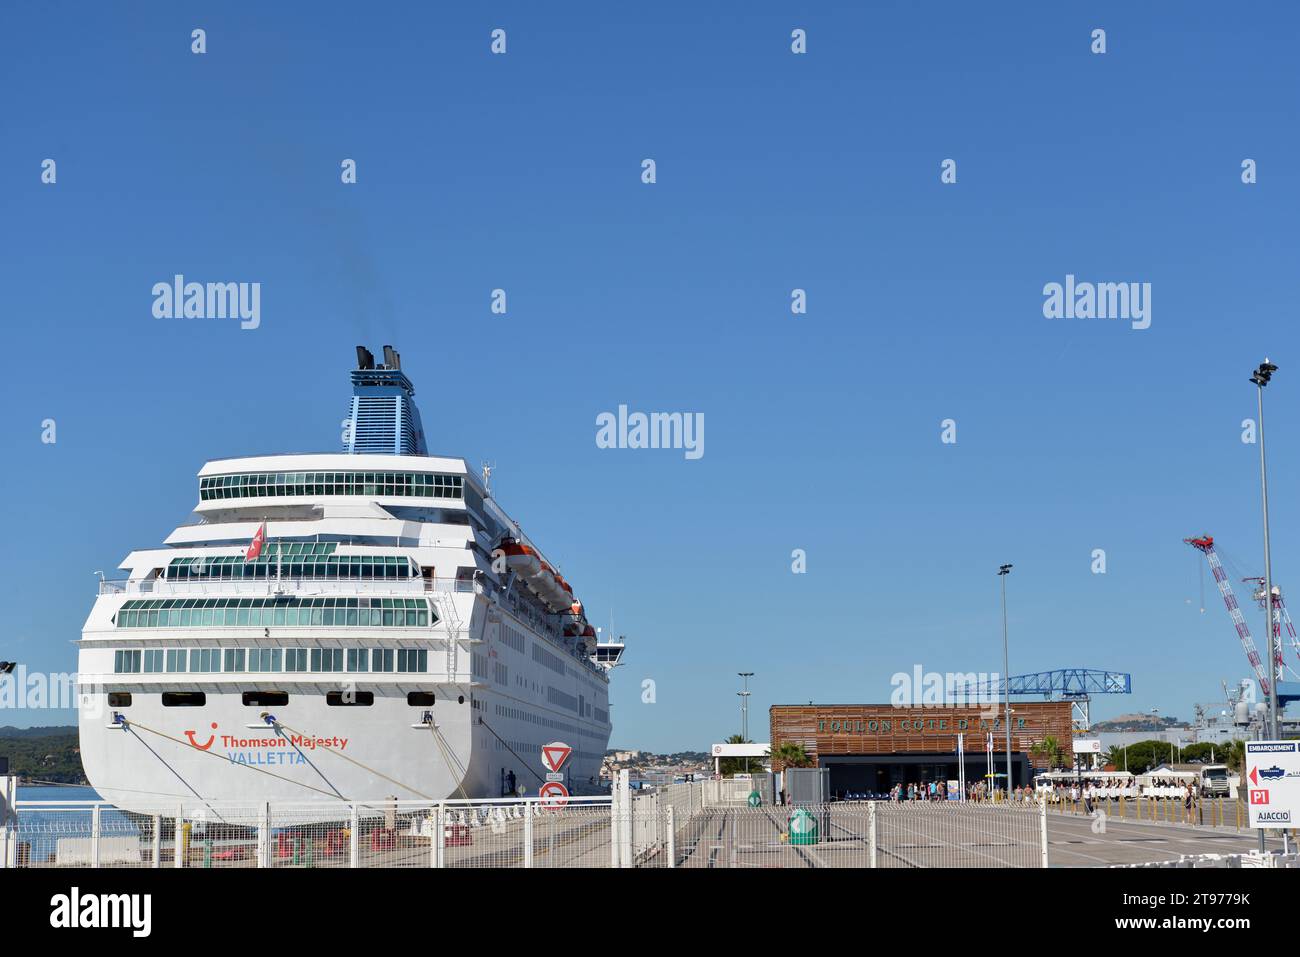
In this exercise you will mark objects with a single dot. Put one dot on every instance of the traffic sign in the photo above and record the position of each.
(554, 776)
(1273, 769)
(553, 794)
(755, 799)
(555, 754)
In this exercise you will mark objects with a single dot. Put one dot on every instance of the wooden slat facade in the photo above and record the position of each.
(878, 729)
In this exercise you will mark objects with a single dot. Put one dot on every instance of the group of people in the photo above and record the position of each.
(939, 791)
(919, 791)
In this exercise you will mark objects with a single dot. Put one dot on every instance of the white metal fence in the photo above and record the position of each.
(676, 826)
(845, 834)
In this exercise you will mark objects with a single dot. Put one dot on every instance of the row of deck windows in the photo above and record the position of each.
(375, 484)
(235, 568)
(264, 612)
(268, 660)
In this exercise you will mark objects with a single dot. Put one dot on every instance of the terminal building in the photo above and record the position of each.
(868, 748)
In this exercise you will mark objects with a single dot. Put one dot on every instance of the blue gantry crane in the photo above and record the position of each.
(1075, 685)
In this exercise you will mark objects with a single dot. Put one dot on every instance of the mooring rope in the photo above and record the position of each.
(222, 757)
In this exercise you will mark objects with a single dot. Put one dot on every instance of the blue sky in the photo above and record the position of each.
(775, 171)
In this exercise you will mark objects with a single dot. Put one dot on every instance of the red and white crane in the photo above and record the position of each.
(1205, 545)
(1281, 619)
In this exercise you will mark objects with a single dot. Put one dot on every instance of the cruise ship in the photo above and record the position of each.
(360, 625)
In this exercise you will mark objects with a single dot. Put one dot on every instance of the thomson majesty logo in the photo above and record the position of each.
(212, 300)
(279, 749)
(74, 910)
(1101, 300)
(655, 430)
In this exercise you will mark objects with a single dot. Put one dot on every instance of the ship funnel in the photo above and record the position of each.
(383, 418)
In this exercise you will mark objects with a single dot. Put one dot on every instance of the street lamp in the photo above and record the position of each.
(1261, 378)
(1003, 572)
(744, 712)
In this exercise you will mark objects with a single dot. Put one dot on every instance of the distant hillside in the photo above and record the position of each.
(7, 731)
(43, 754)
(646, 758)
(1136, 722)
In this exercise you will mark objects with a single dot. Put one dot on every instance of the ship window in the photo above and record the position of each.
(349, 699)
(122, 699)
(412, 659)
(419, 699)
(266, 699)
(184, 699)
(327, 659)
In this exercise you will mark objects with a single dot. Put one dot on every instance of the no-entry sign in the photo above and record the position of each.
(553, 794)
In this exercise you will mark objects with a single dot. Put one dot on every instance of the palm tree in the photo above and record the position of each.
(1051, 748)
(730, 766)
(791, 755)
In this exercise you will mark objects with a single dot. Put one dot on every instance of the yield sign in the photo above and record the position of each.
(555, 754)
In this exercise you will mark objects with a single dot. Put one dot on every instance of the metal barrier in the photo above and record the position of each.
(1214, 812)
(961, 834)
(1248, 860)
(915, 834)
(672, 827)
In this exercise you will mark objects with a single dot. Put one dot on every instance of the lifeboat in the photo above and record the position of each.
(521, 558)
(589, 639)
(540, 578)
(573, 619)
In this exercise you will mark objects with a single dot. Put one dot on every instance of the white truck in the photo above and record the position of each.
(1214, 780)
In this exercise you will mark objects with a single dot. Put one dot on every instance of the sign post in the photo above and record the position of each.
(553, 793)
(1273, 780)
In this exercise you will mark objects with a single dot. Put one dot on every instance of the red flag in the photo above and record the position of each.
(255, 546)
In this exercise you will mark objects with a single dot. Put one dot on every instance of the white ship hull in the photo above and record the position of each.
(376, 623)
(484, 741)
